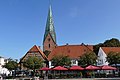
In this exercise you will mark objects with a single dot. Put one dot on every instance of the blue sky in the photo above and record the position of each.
(22, 23)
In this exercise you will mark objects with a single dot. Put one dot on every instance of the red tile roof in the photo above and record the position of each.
(110, 49)
(36, 49)
(73, 51)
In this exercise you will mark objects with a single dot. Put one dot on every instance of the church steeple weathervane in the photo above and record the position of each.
(50, 35)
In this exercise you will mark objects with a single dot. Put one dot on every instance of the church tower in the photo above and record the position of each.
(49, 41)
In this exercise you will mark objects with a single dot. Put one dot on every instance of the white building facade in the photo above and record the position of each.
(2, 69)
(73, 63)
(102, 58)
(2, 61)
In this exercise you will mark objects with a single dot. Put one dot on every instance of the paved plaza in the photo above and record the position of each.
(69, 79)
(89, 79)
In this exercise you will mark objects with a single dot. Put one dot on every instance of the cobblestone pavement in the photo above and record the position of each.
(69, 79)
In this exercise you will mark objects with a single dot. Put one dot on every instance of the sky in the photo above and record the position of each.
(22, 23)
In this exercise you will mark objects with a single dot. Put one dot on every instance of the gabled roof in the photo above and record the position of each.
(36, 49)
(51, 38)
(110, 49)
(73, 51)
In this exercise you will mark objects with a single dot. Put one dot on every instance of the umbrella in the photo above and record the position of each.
(76, 68)
(106, 67)
(60, 68)
(90, 67)
(45, 68)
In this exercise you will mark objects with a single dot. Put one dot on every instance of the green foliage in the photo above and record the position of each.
(88, 58)
(96, 47)
(11, 64)
(33, 63)
(113, 58)
(60, 60)
(112, 43)
(108, 43)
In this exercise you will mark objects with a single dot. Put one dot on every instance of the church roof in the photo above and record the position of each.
(110, 49)
(50, 26)
(35, 49)
(73, 51)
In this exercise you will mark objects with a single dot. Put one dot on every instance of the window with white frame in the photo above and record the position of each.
(73, 61)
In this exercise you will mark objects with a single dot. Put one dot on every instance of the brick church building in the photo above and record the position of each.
(50, 47)
(49, 40)
(50, 44)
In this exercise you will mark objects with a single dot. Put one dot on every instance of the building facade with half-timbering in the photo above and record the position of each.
(36, 52)
(50, 47)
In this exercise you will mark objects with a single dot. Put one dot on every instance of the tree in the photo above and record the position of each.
(11, 64)
(33, 63)
(113, 58)
(96, 47)
(112, 43)
(88, 58)
(60, 60)
(108, 43)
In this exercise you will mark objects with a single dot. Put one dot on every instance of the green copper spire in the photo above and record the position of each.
(50, 26)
